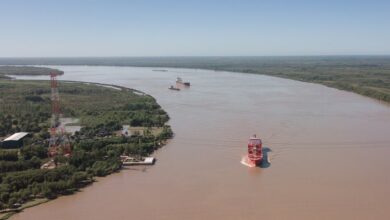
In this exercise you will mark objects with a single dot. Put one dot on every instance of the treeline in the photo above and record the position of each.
(377, 93)
(34, 121)
(21, 109)
(10, 166)
(9, 155)
(27, 70)
(26, 106)
(19, 187)
(371, 81)
(97, 156)
(370, 72)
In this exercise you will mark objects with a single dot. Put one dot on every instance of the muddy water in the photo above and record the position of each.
(328, 149)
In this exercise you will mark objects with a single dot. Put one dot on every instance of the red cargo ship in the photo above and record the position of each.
(255, 151)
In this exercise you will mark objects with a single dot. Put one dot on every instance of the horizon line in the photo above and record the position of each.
(198, 56)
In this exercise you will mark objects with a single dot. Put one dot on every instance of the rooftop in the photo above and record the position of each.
(16, 136)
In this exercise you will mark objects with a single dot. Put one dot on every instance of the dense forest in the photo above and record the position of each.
(365, 75)
(26, 106)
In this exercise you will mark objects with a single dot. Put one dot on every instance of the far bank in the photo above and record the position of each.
(364, 75)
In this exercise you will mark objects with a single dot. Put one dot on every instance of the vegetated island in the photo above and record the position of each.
(100, 111)
(365, 75)
(26, 70)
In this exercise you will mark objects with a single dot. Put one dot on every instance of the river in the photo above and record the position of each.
(328, 151)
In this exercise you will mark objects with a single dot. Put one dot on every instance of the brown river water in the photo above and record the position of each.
(328, 152)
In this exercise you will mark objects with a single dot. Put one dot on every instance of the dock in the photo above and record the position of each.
(130, 161)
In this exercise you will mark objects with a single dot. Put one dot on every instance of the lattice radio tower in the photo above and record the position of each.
(59, 141)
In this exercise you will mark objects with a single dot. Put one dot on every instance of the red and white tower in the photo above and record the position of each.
(59, 142)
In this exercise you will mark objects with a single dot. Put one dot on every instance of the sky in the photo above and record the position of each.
(100, 28)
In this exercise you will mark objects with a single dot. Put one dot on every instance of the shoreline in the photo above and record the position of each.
(9, 212)
(342, 86)
(6, 214)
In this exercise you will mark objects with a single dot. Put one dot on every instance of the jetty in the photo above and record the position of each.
(131, 161)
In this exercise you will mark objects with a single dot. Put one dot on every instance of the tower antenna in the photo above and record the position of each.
(59, 142)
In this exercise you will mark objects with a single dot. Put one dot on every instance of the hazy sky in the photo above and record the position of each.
(50, 28)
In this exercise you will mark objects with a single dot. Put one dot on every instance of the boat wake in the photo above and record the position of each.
(245, 161)
(264, 164)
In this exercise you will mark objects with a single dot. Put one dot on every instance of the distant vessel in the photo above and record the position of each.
(160, 70)
(180, 81)
(174, 88)
(255, 151)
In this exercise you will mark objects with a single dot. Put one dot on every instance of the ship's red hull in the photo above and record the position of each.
(255, 161)
(255, 151)
(251, 162)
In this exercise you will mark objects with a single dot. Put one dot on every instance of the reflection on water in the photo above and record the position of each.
(319, 138)
(266, 163)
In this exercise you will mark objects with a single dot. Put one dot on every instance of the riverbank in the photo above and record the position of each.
(102, 109)
(6, 214)
(364, 75)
